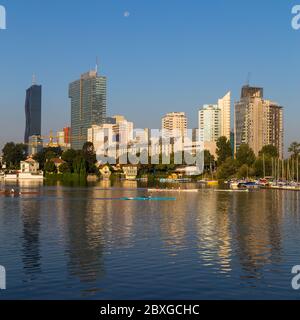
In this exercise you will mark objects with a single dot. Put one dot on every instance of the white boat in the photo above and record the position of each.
(174, 190)
(11, 177)
(31, 176)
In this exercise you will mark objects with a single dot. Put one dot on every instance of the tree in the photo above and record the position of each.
(69, 156)
(50, 154)
(13, 154)
(227, 170)
(245, 172)
(269, 151)
(50, 167)
(245, 155)
(64, 168)
(46, 154)
(224, 150)
(89, 154)
(79, 165)
(209, 160)
(294, 149)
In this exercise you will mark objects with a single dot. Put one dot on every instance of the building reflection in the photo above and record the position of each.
(84, 228)
(214, 233)
(257, 228)
(31, 257)
(173, 224)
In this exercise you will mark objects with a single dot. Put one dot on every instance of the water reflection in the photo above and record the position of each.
(257, 221)
(31, 256)
(84, 238)
(213, 229)
(93, 244)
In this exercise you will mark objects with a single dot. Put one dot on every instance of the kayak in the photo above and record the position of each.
(16, 193)
(147, 199)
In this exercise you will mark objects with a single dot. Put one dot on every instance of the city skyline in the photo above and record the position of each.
(149, 74)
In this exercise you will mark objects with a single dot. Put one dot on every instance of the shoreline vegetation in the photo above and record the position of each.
(82, 166)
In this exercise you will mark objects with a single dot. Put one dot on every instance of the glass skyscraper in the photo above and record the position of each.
(33, 112)
(88, 106)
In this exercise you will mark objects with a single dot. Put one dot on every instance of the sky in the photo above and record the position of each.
(159, 56)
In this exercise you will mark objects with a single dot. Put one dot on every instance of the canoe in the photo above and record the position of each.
(16, 193)
(147, 199)
(234, 190)
(173, 190)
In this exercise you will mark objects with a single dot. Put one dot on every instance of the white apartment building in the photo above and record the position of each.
(174, 125)
(214, 122)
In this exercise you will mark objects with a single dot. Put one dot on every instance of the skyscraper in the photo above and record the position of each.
(258, 122)
(33, 112)
(224, 105)
(174, 125)
(88, 106)
(214, 122)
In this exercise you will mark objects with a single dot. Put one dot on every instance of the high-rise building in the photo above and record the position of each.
(115, 135)
(258, 122)
(33, 112)
(174, 125)
(67, 135)
(214, 122)
(209, 123)
(224, 105)
(88, 106)
(35, 145)
(116, 131)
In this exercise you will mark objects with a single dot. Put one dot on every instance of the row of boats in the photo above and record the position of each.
(263, 183)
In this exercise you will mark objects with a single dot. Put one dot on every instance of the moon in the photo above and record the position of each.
(126, 14)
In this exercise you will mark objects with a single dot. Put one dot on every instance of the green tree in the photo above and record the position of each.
(50, 167)
(50, 154)
(224, 150)
(245, 171)
(245, 155)
(69, 156)
(227, 170)
(209, 161)
(79, 165)
(269, 151)
(64, 168)
(89, 154)
(294, 149)
(47, 154)
(13, 154)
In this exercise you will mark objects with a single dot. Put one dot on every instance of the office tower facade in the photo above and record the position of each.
(33, 112)
(88, 106)
(258, 122)
(67, 135)
(35, 145)
(214, 122)
(209, 123)
(224, 105)
(174, 125)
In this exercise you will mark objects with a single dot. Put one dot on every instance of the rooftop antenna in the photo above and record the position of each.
(33, 80)
(97, 64)
(248, 79)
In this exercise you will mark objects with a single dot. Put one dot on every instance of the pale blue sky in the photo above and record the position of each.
(168, 55)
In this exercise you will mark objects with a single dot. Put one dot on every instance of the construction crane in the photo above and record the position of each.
(53, 140)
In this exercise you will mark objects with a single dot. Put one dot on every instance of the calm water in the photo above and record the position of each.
(70, 243)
